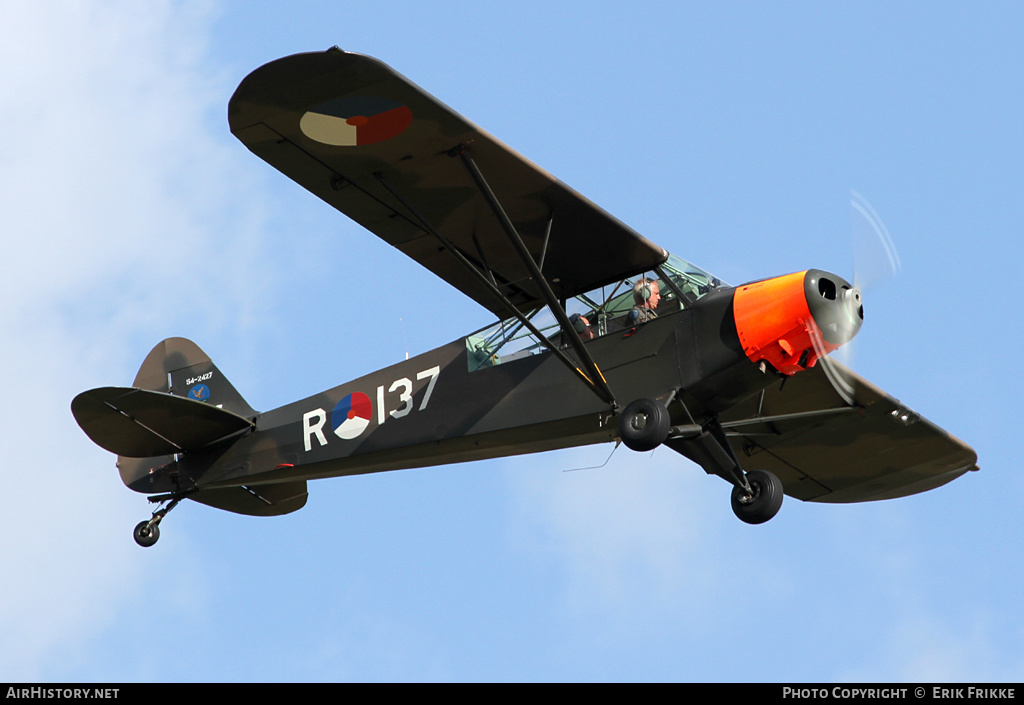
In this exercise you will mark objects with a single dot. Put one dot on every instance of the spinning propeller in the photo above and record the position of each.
(874, 260)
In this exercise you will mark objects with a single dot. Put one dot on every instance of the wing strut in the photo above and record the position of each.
(598, 382)
(601, 391)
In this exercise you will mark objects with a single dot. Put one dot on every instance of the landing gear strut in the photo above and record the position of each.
(148, 532)
(756, 495)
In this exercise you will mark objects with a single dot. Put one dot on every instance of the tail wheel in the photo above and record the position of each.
(644, 425)
(763, 502)
(146, 534)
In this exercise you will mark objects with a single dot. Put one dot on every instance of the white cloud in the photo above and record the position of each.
(111, 182)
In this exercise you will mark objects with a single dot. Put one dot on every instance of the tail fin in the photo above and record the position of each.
(178, 366)
(179, 403)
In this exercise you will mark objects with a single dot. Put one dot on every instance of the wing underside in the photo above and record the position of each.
(379, 149)
(824, 451)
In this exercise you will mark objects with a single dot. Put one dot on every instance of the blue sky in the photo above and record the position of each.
(729, 133)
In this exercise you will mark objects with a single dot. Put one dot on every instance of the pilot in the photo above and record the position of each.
(645, 297)
(581, 325)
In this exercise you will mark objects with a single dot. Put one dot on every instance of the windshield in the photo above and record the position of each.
(688, 279)
(594, 314)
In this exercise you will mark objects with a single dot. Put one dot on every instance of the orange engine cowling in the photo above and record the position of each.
(791, 321)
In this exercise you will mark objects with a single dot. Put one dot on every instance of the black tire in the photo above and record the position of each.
(644, 425)
(146, 535)
(765, 503)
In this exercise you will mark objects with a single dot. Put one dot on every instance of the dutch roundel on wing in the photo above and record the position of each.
(355, 121)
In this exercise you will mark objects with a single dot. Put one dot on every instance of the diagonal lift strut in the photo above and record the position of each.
(600, 389)
(598, 383)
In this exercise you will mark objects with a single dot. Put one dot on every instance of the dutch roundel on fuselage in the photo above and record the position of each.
(351, 416)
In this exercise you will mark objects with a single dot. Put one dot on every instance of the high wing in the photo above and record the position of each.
(381, 150)
(826, 451)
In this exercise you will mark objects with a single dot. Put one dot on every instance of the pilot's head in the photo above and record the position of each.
(646, 294)
(582, 326)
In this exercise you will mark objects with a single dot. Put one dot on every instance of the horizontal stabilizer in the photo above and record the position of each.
(138, 423)
(256, 500)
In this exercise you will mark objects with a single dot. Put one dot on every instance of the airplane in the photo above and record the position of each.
(600, 335)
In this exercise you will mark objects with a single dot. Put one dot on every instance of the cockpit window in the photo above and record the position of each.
(688, 279)
(605, 310)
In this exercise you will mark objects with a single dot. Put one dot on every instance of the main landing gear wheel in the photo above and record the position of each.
(644, 425)
(145, 534)
(765, 501)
